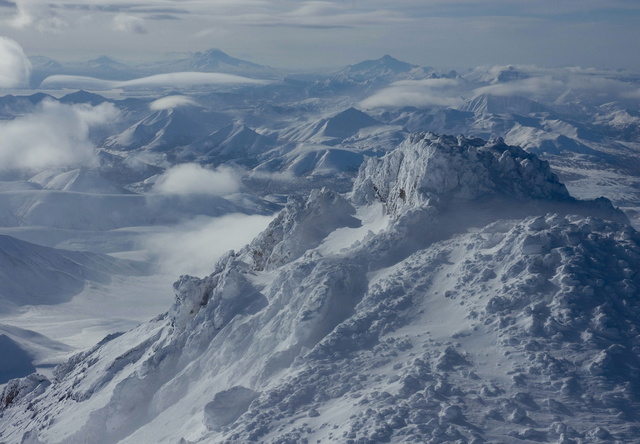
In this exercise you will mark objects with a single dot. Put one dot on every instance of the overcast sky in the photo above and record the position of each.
(305, 34)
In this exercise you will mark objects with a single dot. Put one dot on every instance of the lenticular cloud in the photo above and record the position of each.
(15, 68)
(170, 102)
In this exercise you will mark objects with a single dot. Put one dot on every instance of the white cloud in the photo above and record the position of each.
(547, 84)
(39, 15)
(419, 93)
(191, 178)
(317, 8)
(15, 68)
(194, 246)
(129, 23)
(531, 87)
(170, 102)
(188, 79)
(56, 135)
(171, 80)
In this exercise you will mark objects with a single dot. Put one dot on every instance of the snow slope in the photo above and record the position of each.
(31, 274)
(167, 128)
(79, 180)
(417, 309)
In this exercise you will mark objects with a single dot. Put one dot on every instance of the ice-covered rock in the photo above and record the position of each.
(429, 168)
(441, 171)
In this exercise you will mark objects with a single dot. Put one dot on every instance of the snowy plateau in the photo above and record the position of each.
(368, 274)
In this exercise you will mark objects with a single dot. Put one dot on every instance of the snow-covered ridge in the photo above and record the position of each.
(435, 170)
(443, 326)
(430, 167)
(302, 225)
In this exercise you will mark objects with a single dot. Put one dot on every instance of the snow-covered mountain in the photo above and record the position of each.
(490, 104)
(457, 294)
(234, 142)
(103, 67)
(212, 60)
(384, 67)
(332, 130)
(78, 180)
(33, 275)
(167, 128)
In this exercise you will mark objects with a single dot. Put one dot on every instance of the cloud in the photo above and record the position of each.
(15, 68)
(39, 15)
(129, 23)
(548, 84)
(418, 93)
(171, 80)
(191, 178)
(531, 87)
(56, 135)
(322, 15)
(170, 102)
(193, 247)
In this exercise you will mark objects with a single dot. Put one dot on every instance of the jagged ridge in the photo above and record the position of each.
(426, 330)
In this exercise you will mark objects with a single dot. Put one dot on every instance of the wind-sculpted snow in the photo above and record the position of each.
(428, 168)
(302, 225)
(468, 318)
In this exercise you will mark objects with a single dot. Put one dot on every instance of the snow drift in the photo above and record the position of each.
(459, 294)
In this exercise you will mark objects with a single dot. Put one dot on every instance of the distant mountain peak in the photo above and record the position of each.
(214, 52)
(385, 62)
(213, 58)
(104, 60)
(42, 62)
(82, 96)
(346, 122)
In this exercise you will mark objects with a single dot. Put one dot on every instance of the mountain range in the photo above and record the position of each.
(386, 253)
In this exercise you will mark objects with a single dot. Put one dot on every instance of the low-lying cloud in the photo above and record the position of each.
(193, 247)
(56, 135)
(191, 178)
(15, 68)
(171, 102)
(418, 93)
(170, 80)
(546, 84)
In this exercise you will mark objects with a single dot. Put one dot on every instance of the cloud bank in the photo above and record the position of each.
(418, 93)
(194, 247)
(15, 68)
(547, 84)
(191, 178)
(56, 135)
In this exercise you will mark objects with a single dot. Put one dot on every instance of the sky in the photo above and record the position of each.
(315, 34)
